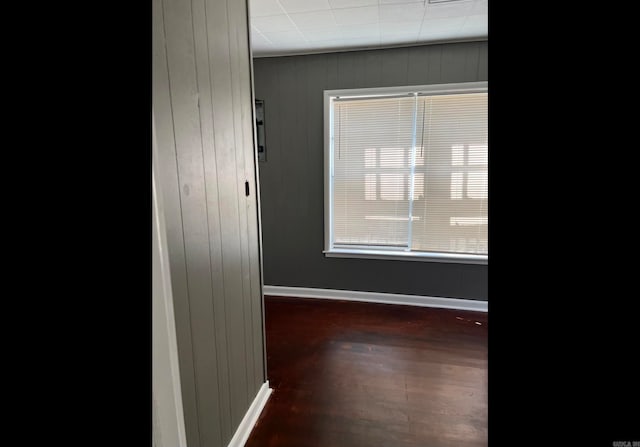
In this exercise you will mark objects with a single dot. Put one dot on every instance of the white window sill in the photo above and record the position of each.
(407, 256)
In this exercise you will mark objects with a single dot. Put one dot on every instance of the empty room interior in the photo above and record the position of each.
(319, 223)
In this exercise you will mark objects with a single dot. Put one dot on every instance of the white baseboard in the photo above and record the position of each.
(376, 297)
(251, 417)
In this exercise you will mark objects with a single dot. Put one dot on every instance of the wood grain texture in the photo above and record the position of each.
(256, 375)
(208, 79)
(184, 91)
(202, 103)
(242, 343)
(349, 374)
(170, 190)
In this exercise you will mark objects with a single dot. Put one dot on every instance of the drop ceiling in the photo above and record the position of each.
(280, 27)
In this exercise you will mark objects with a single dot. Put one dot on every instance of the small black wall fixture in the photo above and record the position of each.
(262, 154)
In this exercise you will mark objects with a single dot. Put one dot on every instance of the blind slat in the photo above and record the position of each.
(372, 155)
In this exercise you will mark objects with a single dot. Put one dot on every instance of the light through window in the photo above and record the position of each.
(407, 172)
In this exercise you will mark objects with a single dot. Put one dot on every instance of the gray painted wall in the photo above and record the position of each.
(204, 128)
(291, 179)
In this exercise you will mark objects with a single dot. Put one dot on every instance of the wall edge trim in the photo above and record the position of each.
(378, 297)
(251, 416)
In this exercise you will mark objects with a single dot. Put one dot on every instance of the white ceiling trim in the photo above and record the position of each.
(366, 48)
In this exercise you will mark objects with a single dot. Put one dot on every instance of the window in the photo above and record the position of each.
(406, 173)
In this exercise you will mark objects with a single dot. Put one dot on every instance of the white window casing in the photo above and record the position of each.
(406, 173)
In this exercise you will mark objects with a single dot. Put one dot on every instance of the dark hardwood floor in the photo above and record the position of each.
(349, 374)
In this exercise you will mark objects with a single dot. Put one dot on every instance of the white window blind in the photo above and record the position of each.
(372, 151)
(410, 172)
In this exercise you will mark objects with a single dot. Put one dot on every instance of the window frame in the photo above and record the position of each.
(376, 252)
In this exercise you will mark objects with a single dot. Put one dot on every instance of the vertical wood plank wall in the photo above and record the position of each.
(204, 127)
(292, 182)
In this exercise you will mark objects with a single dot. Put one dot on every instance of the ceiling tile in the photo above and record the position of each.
(328, 45)
(285, 37)
(355, 16)
(261, 50)
(391, 39)
(437, 25)
(271, 24)
(477, 19)
(400, 27)
(293, 6)
(468, 33)
(350, 43)
(364, 30)
(258, 38)
(318, 35)
(261, 45)
(480, 7)
(259, 8)
(442, 10)
(398, 13)
(386, 2)
(313, 20)
(299, 26)
(478, 23)
(438, 35)
(360, 41)
(295, 46)
(336, 4)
